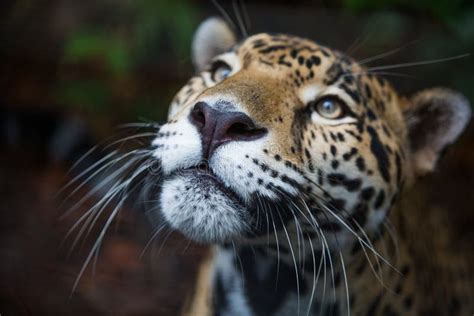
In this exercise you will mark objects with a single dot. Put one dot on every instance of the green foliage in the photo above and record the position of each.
(89, 46)
(133, 34)
(159, 21)
(89, 95)
(443, 9)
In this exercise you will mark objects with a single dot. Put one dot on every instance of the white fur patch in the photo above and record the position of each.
(200, 210)
(309, 93)
(318, 119)
(231, 277)
(178, 151)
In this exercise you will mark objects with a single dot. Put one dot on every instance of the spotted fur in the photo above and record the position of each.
(299, 214)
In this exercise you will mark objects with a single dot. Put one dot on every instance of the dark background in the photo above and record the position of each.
(80, 68)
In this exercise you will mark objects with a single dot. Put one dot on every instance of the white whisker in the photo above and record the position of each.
(96, 245)
(345, 281)
(419, 63)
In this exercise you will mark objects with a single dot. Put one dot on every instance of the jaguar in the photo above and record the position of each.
(290, 159)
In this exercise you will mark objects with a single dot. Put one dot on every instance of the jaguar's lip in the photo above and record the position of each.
(208, 177)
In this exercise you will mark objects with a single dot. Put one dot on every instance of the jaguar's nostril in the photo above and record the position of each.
(238, 129)
(198, 116)
(243, 131)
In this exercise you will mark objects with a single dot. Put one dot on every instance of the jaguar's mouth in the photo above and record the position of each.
(205, 176)
(198, 203)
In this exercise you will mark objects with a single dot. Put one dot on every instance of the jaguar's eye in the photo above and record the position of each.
(329, 107)
(220, 70)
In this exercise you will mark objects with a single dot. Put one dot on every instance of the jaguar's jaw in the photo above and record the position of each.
(200, 206)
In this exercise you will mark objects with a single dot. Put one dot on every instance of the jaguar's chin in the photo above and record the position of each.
(199, 205)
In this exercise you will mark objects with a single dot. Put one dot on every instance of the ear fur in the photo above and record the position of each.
(435, 118)
(213, 37)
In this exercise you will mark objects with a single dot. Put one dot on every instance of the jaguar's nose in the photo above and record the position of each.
(219, 127)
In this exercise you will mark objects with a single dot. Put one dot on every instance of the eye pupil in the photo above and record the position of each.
(328, 106)
(224, 72)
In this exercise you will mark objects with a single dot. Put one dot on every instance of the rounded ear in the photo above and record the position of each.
(435, 118)
(213, 37)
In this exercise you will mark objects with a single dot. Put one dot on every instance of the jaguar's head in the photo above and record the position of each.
(279, 135)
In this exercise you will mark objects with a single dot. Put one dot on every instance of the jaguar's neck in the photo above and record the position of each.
(248, 280)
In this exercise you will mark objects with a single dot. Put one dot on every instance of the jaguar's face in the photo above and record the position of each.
(278, 130)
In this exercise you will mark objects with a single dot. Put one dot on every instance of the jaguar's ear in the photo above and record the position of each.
(213, 37)
(435, 118)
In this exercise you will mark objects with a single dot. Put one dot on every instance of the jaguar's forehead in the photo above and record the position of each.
(291, 52)
(266, 43)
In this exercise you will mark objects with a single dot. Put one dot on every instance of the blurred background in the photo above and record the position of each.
(71, 71)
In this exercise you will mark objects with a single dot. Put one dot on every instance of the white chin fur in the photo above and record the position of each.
(200, 210)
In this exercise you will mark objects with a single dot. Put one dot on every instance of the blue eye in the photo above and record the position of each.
(220, 70)
(329, 107)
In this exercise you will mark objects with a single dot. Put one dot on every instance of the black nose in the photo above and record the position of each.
(220, 127)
